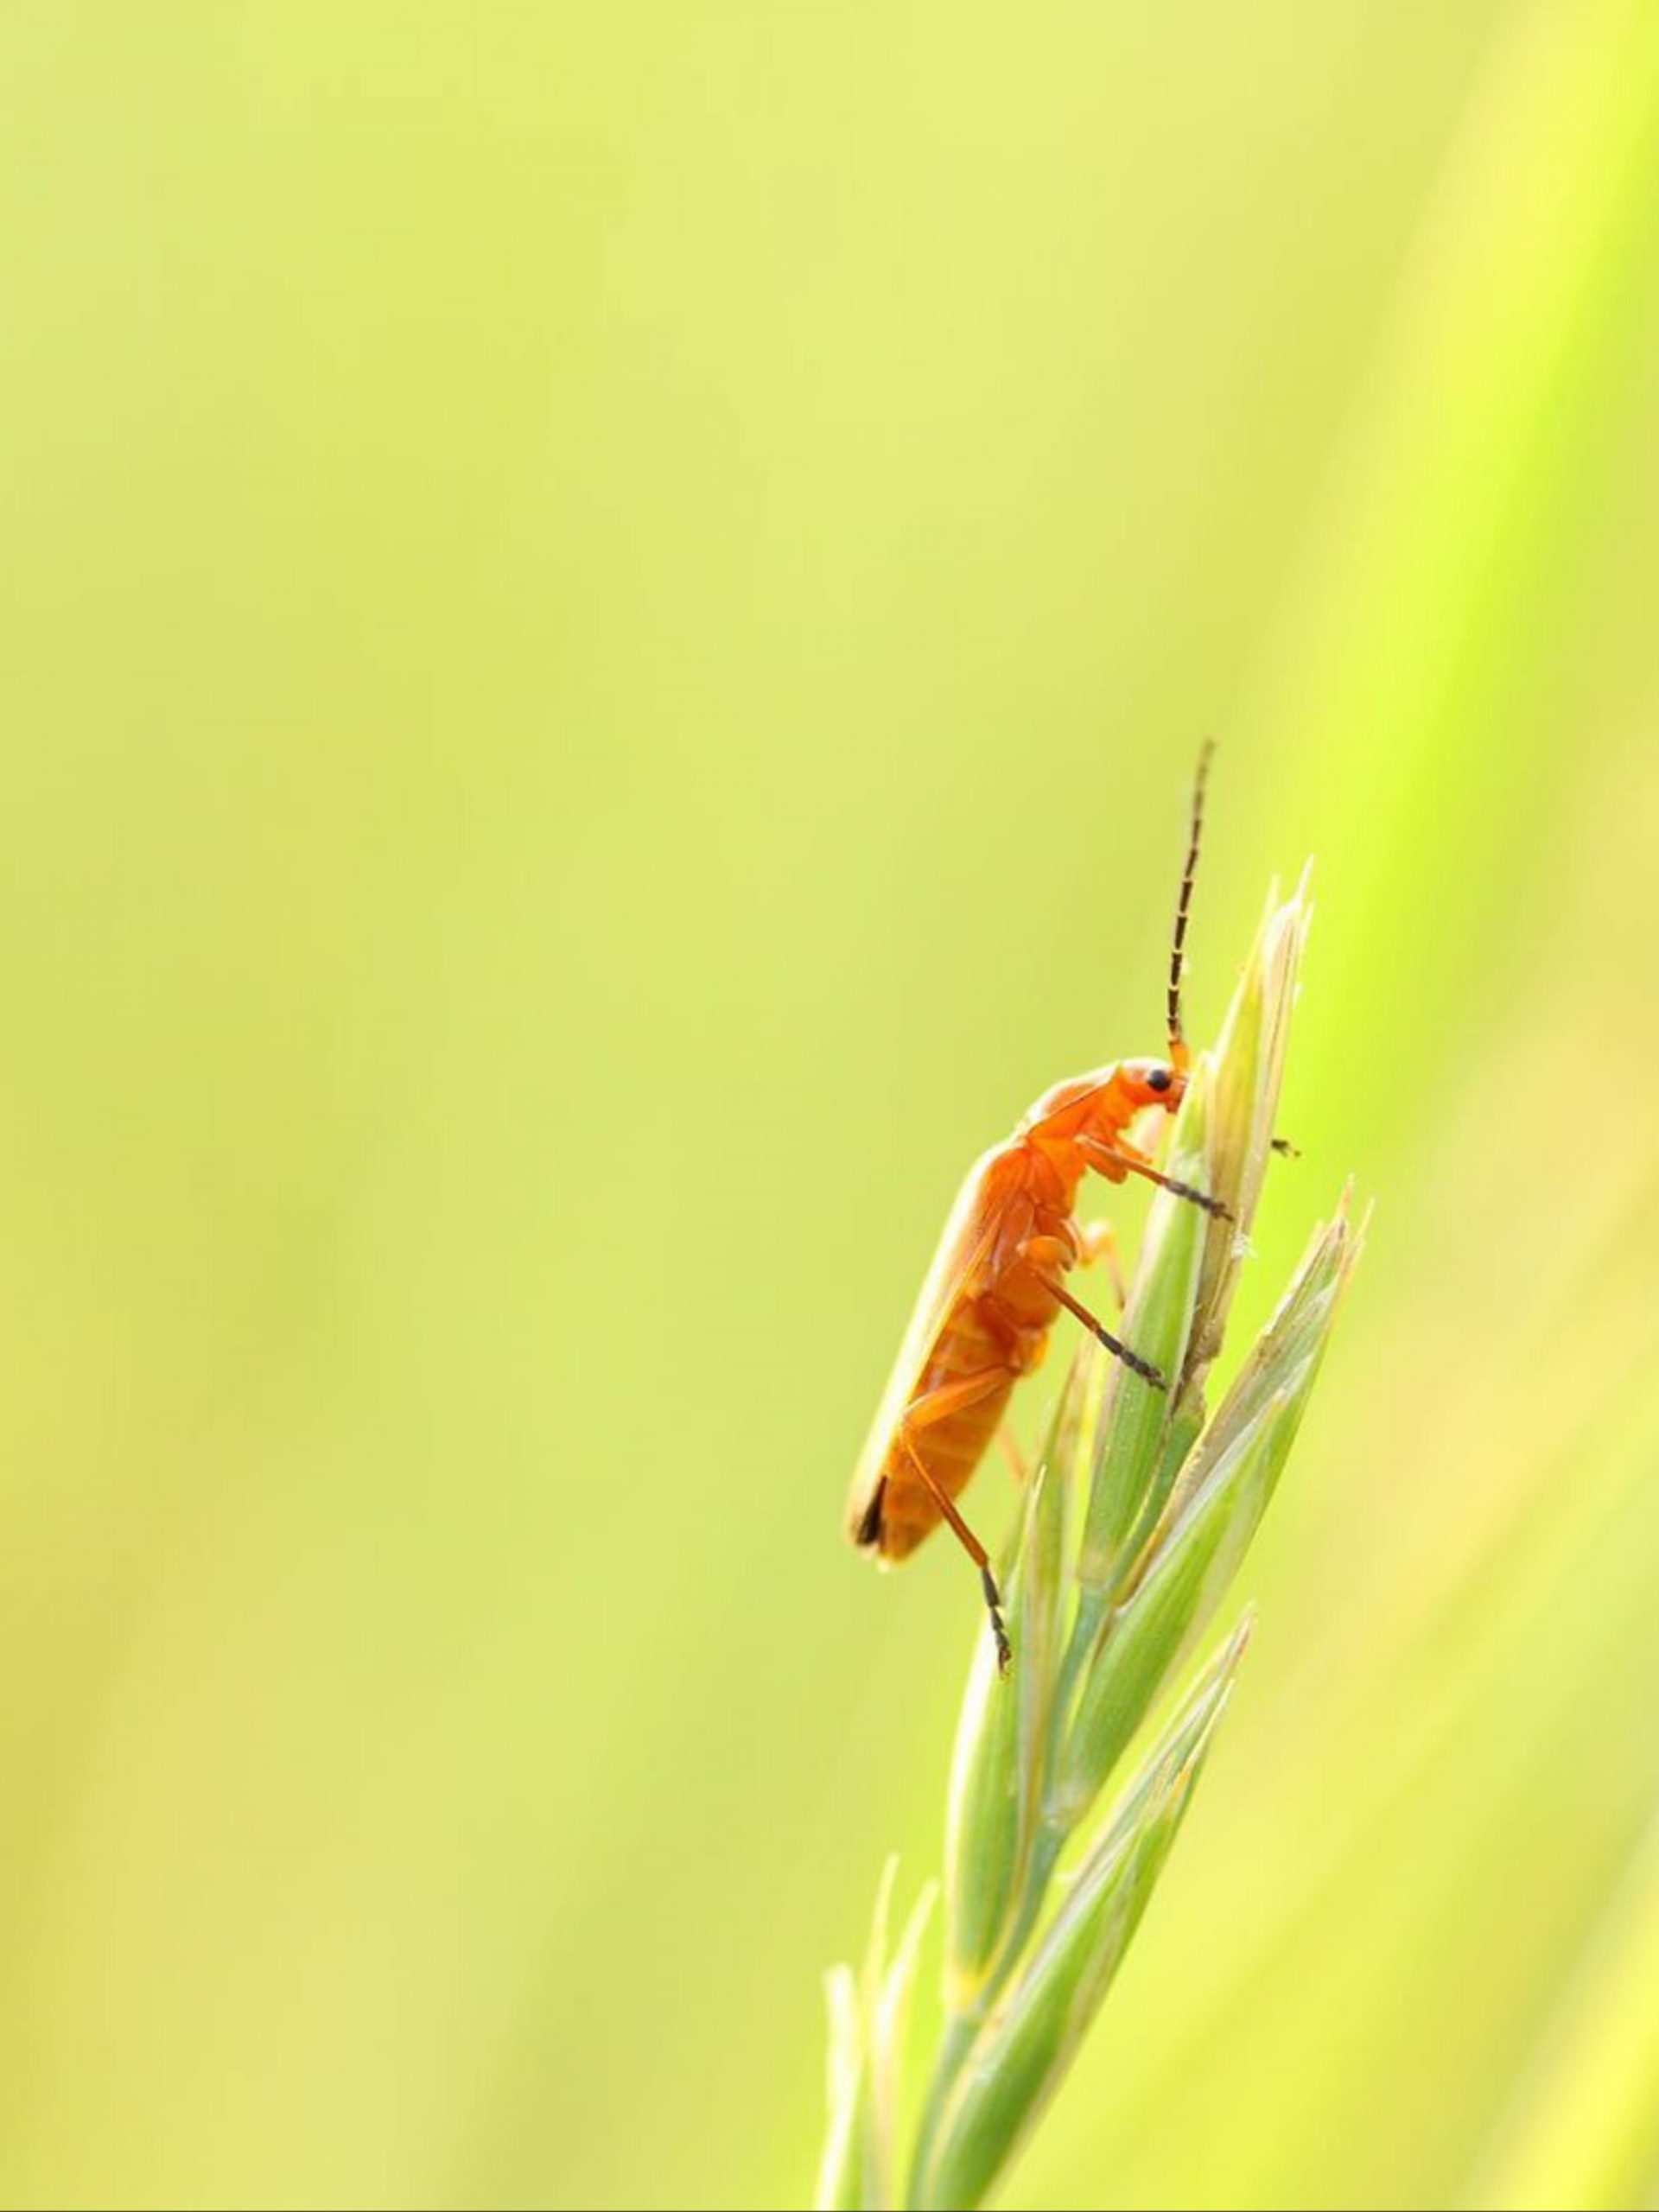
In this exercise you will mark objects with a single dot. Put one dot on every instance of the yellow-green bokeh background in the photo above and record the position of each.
(607, 613)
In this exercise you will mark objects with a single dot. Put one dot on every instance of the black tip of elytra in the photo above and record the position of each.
(868, 1531)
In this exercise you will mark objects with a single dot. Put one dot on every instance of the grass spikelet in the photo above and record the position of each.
(1101, 1615)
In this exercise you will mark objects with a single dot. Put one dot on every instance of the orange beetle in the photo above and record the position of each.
(998, 1282)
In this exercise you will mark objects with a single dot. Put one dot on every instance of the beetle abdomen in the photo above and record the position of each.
(902, 1510)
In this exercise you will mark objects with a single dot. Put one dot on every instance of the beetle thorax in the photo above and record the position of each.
(1096, 1106)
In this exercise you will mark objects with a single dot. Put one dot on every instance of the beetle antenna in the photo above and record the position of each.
(1177, 1052)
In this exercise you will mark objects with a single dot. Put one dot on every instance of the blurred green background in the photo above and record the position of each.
(606, 617)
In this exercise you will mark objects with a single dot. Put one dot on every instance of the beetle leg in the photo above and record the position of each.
(1018, 1466)
(947, 1398)
(1129, 1162)
(1098, 1239)
(1098, 1329)
(938, 1405)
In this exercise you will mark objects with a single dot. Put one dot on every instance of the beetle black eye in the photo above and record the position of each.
(1159, 1080)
